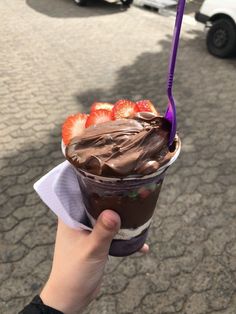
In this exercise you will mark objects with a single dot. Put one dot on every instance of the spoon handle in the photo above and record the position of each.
(175, 43)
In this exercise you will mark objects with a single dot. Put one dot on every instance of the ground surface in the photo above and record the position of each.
(56, 59)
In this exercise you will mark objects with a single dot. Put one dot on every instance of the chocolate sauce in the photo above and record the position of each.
(122, 147)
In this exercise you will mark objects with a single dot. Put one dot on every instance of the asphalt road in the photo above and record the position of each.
(56, 59)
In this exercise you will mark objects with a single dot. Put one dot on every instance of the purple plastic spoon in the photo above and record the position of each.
(170, 114)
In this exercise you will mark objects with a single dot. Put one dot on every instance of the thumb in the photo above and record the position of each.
(103, 232)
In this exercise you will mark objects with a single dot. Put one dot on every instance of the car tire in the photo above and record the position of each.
(127, 2)
(221, 38)
(81, 3)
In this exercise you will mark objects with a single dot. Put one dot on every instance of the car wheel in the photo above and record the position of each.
(81, 2)
(221, 38)
(127, 2)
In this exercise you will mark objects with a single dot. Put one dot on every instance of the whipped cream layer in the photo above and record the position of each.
(125, 233)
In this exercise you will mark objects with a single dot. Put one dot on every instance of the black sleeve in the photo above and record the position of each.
(36, 306)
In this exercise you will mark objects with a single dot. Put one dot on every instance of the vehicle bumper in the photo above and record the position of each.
(202, 18)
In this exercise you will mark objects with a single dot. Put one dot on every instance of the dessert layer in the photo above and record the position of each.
(122, 147)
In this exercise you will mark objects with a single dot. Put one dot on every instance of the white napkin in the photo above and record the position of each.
(59, 189)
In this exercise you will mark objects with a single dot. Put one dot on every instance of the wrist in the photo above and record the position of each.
(55, 296)
(52, 297)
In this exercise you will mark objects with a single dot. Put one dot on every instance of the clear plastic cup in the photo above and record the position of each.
(134, 198)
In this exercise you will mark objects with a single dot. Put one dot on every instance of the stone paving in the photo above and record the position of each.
(56, 59)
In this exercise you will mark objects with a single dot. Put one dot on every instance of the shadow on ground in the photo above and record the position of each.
(143, 79)
(146, 78)
(68, 9)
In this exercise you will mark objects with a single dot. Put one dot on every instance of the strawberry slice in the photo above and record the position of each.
(124, 109)
(146, 106)
(73, 126)
(101, 105)
(98, 116)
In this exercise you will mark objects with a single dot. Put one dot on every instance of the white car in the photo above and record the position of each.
(220, 17)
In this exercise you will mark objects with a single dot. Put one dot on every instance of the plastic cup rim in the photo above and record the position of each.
(158, 172)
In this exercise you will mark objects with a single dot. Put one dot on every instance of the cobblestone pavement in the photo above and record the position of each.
(56, 59)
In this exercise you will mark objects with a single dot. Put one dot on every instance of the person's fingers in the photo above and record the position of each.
(144, 249)
(105, 229)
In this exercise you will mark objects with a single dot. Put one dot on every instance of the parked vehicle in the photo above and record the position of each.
(219, 16)
(84, 2)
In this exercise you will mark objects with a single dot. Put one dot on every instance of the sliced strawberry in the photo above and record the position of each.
(101, 105)
(144, 192)
(73, 126)
(124, 109)
(98, 116)
(146, 106)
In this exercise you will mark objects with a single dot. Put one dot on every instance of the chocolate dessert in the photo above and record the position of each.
(121, 157)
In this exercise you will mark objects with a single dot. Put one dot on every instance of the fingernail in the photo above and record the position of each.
(110, 219)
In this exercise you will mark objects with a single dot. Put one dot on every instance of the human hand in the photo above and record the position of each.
(78, 264)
